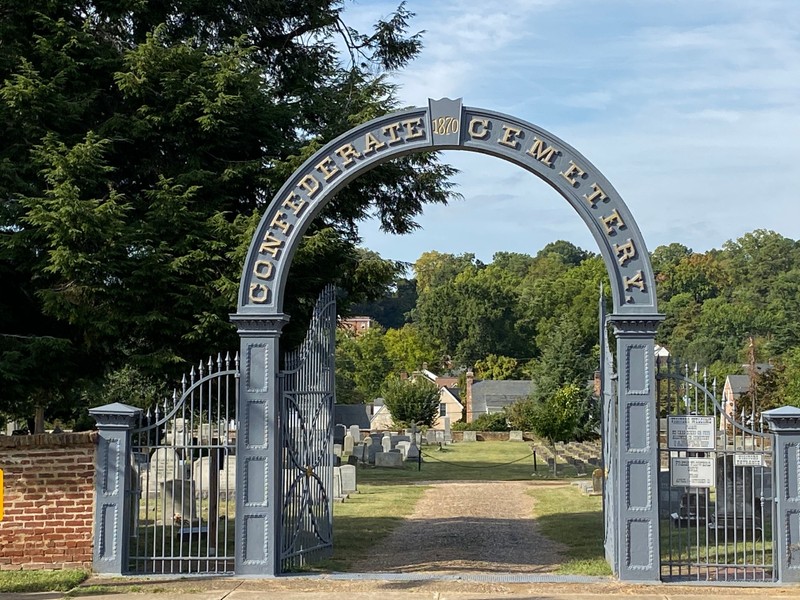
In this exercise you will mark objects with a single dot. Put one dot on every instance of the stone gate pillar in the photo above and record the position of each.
(784, 422)
(636, 503)
(112, 487)
(257, 460)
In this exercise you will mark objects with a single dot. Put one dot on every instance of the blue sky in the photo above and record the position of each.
(691, 108)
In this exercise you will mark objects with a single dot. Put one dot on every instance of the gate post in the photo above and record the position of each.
(636, 491)
(257, 461)
(112, 485)
(784, 422)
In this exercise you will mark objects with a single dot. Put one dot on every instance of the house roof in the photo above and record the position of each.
(491, 396)
(351, 414)
(454, 392)
(739, 384)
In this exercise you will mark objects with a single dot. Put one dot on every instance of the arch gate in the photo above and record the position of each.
(632, 471)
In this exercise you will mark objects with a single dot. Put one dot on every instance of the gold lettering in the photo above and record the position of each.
(509, 137)
(327, 167)
(625, 252)
(279, 222)
(348, 154)
(412, 128)
(484, 128)
(391, 131)
(294, 203)
(612, 220)
(270, 245)
(263, 269)
(598, 195)
(635, 281)
(570, 174)
(259, 293)
(310, 184)
(371, 143)
(540, 151)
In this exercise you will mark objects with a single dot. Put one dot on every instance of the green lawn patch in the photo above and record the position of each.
(477, 461)
(566, 515)
(40, 581)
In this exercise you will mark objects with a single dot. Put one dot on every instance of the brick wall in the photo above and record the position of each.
(49, 501)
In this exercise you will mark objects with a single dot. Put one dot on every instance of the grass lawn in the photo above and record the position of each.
(40, 581)
(566, 515)
(481, 461)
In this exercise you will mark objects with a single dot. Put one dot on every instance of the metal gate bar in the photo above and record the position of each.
(182, 493)
(306, 398)
(715, 483)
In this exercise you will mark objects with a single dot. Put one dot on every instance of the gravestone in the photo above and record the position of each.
(412, 454)
(738, 506)
(439, 439)
(179, 502)
(386, 443)
(349, 443)
(403, 448)
(515, 436)
(338, 495)
(470, 436)
(337, 450)
(448, 437)
(430, 436)
(353, 459)
(348, 473)
(392, 460)
(360, 452)
(356, 433)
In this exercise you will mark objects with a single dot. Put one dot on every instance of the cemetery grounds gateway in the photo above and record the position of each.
(282, 450)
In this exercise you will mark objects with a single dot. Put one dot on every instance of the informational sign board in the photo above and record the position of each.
(748, 460)
(692, 472)
(691, 432)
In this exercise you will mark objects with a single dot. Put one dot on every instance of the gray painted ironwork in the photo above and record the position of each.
(717, 521)
(183, 492)
(609, 434)
(306, 392)
(112, 487)
(448, 124)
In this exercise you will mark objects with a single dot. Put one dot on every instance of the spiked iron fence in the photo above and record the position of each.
(716, 488)
(183, 488)
(306, 392)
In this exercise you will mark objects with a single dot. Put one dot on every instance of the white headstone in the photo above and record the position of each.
(430, 436)
(349, 443)
(470, 436)
(447, 435)
(386, 443)
(348, 479)
(356, 433)
(337, 450)
(515, 436)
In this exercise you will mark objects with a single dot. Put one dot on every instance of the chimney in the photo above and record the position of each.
(468, 395)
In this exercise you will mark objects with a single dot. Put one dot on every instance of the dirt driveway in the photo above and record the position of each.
(484, 526)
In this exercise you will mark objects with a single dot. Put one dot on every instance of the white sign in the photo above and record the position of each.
(692, 472)
(748, 460)
(691, 433)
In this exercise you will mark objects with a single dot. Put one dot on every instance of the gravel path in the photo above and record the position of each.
(467, 526)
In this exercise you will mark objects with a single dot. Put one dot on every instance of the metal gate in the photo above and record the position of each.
(183, 476)
(608, 418)
(305, 412)
(717, 509)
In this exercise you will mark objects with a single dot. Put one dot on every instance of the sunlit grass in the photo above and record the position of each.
(40, 581)
(566, 515)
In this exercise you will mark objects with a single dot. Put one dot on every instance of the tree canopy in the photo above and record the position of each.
(142, 141)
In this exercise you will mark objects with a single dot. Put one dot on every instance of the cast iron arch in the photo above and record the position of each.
(447, 125)
(631, 474)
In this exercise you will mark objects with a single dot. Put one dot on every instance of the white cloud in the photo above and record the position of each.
(690, 108)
